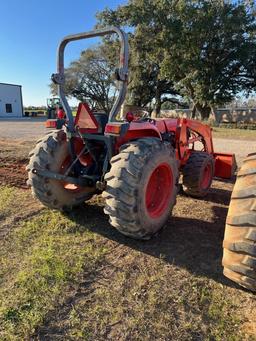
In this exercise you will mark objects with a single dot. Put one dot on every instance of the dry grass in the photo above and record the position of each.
(237, 134)
(15, 149)
(73, 277)
(40, 261)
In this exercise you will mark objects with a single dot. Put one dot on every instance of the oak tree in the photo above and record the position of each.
(204, 50)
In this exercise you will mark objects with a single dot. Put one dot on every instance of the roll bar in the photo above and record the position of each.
(122, 72)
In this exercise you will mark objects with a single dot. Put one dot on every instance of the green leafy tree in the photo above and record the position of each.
(205, 48)
(90, 78)
(147, 87)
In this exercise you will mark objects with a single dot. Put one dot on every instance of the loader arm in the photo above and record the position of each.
(225, 163)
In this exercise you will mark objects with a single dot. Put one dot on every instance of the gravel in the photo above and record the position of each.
(25, 128)
(33, 128)
(241, 148)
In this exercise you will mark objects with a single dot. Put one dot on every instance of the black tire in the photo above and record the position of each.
(49, 154)
(239, 256)
(198, 174)
(129, 202)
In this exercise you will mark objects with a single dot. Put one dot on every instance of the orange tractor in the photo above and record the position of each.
(135, 162)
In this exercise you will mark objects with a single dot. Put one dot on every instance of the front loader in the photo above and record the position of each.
(136, 162)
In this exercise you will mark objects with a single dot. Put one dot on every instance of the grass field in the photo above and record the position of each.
(73, 277)
(240, 134)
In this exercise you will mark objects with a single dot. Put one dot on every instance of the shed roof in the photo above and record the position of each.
(10, 84)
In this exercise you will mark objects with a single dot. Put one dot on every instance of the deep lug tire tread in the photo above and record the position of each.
(42, 157)
(192, 173)
(239, 256)
(123, 185)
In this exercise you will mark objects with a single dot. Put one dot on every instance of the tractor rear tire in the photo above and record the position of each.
(141, 187)
(198, 174)
(239, 256)
(50, 154)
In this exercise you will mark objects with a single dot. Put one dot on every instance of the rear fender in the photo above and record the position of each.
(225, 165)
(140, 130)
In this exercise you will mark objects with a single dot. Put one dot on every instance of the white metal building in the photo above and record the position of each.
(10, 100)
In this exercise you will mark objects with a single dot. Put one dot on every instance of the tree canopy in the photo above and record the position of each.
(181, 51)
(90, 78)
(203, 50)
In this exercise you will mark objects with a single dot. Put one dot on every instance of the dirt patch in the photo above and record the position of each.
(13, 161)
(14, 155)
(13, 173)
(240, 148)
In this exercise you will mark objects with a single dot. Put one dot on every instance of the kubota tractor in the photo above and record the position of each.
(135, 162)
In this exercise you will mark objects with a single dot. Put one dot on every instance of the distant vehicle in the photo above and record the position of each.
(52, 107)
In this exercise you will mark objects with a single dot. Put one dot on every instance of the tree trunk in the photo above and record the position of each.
(193, 112)
(213, 115)
(158, 108)
(204, 110)
(158, 105)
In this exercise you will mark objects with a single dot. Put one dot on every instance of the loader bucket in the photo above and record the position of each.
(54, 123)
(51, 123)
(225, 165)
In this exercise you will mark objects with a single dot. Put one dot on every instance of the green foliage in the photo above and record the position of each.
(90, 78)
(205, 48)
(39, 261)
(231, 132)
(147, 87)
(7, 195)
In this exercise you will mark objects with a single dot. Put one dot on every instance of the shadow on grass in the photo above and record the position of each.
(215, 196)
(193, 244)
(232, 180)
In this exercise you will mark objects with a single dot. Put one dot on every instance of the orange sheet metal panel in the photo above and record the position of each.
(225, 165)
(51, 123)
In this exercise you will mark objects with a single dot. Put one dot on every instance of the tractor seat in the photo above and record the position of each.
(102, 119)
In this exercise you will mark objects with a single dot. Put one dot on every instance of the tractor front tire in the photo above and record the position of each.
(198, 174)
(141, 187)
(51, 153)
(239, 256)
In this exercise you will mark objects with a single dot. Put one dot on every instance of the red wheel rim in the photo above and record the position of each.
(84, 159)
(69, 187)
(159, 190)
(207, 177)
(65, 166)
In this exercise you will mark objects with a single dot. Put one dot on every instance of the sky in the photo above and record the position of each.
(30, 31)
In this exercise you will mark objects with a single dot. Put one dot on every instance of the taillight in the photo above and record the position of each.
(117, 129)
(113, 128)
(52, 123)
